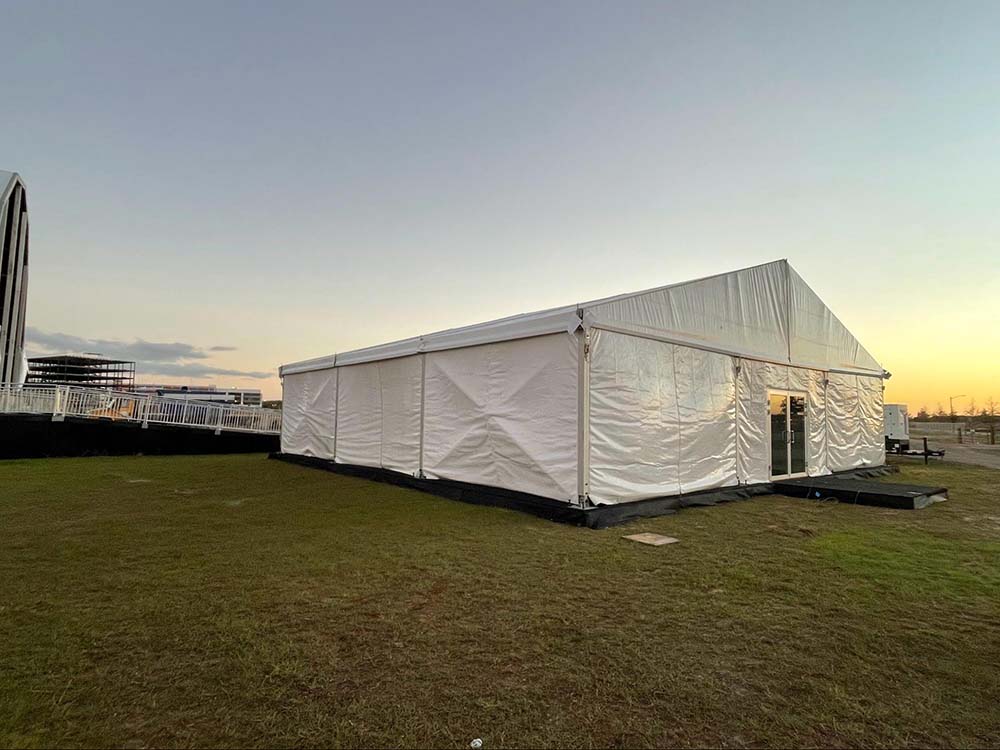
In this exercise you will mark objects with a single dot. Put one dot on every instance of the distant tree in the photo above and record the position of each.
(991, 408)
(940, 413)
(972, 410)
(922, 414)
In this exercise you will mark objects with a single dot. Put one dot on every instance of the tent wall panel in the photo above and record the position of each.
(359, 416)
(505, 415)
(292, 413)
(308, 413)
(635, 437)
(662, 419)
(843, 425)
(706, 387)
(871, 411)
(400, 381)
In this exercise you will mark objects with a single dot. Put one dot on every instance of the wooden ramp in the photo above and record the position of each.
(862, 491)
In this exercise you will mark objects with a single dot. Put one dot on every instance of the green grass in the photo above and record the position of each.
(230, 600)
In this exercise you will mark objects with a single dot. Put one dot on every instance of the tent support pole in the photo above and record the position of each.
(583, 420)
(336, 410)
(737, 367)
(423, 391)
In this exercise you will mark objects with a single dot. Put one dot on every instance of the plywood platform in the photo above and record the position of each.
(862, 491)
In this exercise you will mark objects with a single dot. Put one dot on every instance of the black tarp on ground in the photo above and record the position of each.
(861, 491)
(597, 517)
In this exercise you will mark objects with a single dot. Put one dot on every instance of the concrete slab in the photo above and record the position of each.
(655, 540)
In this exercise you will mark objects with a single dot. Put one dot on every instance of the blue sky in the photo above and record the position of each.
(259, 183)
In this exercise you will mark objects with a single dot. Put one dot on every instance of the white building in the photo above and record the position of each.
(13, 276)
(209, 393)
(720, 382)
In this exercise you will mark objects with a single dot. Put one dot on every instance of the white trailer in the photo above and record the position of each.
(896, 427)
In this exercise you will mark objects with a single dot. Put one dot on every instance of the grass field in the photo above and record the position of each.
(231, 600)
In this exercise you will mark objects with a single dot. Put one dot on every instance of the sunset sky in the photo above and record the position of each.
(217, 188)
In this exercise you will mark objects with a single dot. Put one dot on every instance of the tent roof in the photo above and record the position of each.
(762, 312)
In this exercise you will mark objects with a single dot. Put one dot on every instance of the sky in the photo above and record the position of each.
(218, 188)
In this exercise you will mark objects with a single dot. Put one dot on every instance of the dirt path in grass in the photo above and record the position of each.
(980, 455)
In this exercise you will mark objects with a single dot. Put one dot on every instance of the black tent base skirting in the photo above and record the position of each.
(595, 517)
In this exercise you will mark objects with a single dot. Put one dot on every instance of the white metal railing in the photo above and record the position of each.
(95, 403)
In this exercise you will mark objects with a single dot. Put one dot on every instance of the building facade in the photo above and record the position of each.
(13, 276)
(208, 393)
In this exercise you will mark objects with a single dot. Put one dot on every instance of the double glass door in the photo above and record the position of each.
(788, 433)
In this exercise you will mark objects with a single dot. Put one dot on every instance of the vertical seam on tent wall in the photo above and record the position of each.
(677, 411)
(586, 405)
(336, 410)
(826, 423)
(659, 383)
(738, 364)
(859, 431)
(423, 391)
(581, 483)
(489, 402)
(381, 416)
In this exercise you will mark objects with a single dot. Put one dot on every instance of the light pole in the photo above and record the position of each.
(951, 405)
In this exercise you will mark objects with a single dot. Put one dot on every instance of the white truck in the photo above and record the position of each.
(896, 427)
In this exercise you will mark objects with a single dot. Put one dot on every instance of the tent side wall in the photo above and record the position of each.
(505, 415)
(309, 407)
(378, 414)
(662, 419)
(667, 419)
(502, 414)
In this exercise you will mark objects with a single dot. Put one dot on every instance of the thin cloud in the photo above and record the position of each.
(151, 358)
(197, 370)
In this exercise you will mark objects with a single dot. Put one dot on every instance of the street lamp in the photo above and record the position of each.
(951, 405)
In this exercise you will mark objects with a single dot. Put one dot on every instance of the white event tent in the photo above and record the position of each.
(722, 382)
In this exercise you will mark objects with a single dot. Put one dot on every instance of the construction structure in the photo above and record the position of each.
(84, 370)
(203, 393)
(13, 276)
(722, 383)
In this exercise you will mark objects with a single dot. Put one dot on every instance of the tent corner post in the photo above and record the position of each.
(583, 418)
(336, 408)
(423, 392)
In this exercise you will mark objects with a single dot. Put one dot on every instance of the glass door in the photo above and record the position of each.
(787, 428)
(779, 434)
(796, 434)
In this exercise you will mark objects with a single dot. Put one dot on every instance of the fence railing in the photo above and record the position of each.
(95, 403)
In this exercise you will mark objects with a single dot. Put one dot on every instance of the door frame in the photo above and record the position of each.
(787, 393)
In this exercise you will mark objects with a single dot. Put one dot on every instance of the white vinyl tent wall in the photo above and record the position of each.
(648, 395)
(500, 414)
